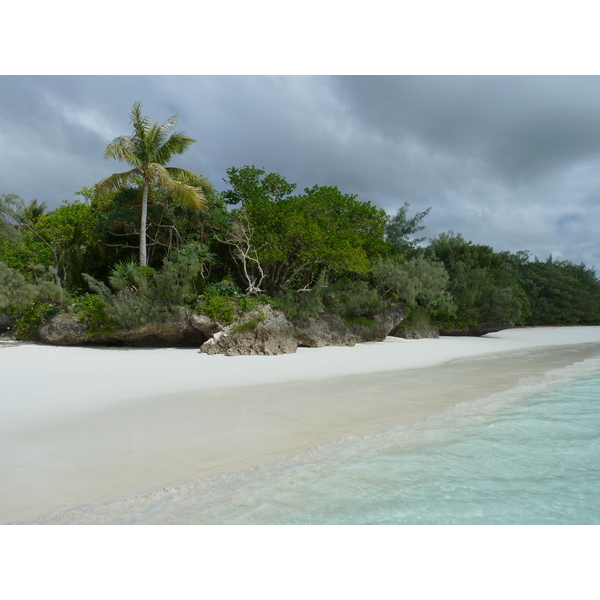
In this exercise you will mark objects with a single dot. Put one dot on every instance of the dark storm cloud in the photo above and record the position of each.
(513, 162)
(520, 126)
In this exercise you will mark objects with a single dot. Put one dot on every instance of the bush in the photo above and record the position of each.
(218, 308)
(416, 281)
(35, 316)
(248, 326)
(223, 288)
(303, 305)
(353, 300)
(31, 304)
(92, 309)
(144, 295)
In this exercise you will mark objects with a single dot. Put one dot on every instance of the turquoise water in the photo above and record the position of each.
(528, 456)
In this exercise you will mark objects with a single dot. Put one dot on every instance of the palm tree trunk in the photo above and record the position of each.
(143, 258)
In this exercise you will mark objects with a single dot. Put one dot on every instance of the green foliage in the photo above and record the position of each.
(353, 299)
(223, 288)
(416, 318)
(483, 283)
(223, 303)
(293, 238)
(305, 304)
(172, 229)
(251, 184)
(144, 295)
(248, 325)
(30, 303)
(246, 304)
(400, 228)
(70, 237)
(64, 239)
(16, 293)
(92, 310)
(34, 316)
(218, 308)
(416, 281)
(559, 292)
(364, 321)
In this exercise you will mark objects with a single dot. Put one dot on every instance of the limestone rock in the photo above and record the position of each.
(66, 330)
(478, 330)
(205, 325)
(264, 332)
(5, 323)
(415, 334)
(329, 330)
(177, 333)
(63, 330)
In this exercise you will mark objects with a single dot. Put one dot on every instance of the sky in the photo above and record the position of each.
(512, 162)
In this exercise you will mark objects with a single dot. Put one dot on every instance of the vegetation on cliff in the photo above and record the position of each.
(156, 243)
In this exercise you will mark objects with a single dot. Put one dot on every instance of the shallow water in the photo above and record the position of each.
(530, 455)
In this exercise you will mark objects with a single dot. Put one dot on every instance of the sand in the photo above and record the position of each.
(89, 425)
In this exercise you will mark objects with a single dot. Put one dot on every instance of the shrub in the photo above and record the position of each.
(246, 304)
(364, 321)
(219, 308)
(223, 288)
(92, 309)
(248, 326)
(353, 299)
(37, 314)
(306, 304)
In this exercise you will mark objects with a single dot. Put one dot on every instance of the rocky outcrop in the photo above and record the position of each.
(417, 333)
(66, 330)
(478, 330)
(265, 332)
(5, 323)
(329, 330)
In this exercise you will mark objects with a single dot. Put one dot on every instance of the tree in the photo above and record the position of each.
(483, 283)
(170, 225)
(293, 238)
(148, 150)
(16, 221)
(251, 184)
(419, 280)
(69, 232)
(400, 227)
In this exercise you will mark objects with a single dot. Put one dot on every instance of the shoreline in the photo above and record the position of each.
(65, 448)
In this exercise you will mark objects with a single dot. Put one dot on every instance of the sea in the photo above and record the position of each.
(529, 455)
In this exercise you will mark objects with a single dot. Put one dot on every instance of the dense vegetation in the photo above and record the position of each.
(156, 241)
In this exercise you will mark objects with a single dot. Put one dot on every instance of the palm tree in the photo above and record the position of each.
(148, 150)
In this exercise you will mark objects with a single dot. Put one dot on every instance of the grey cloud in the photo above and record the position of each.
(521, 126)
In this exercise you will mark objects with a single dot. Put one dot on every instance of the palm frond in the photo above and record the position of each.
(190, 178)
(176, 144)
(112, 184)
(191, 197)
(123, 152)
(141, 124)
(167, 126)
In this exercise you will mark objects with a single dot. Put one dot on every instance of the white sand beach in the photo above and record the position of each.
(81, 425)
